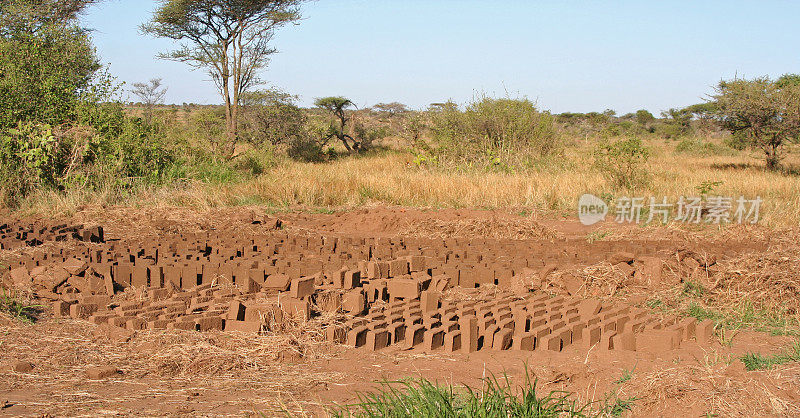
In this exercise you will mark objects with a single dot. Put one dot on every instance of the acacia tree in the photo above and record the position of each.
(337, 107)
(151, 94)
(230, 39)
(766, 112)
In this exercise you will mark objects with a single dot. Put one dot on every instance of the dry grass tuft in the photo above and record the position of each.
(481, 228)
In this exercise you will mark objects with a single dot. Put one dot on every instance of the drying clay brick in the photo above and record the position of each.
(357, 337)
(20, 278)
(377, 339)
(704, 331)
(296, 308)
(589, 308)
(101, 372)
(469, 333)
(571, 284)
(403, 288)
(302, 287)
(74, 266)
(429, 301)
(398, 268)
(655, 341)
(209, 323)
(354, 302)
(351, 279)
(279, 282)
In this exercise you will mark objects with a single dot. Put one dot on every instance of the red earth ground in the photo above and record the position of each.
(298, 311)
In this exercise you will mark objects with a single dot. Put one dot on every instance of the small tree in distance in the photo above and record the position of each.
(337, 107)
(766, 112)
(150, 94)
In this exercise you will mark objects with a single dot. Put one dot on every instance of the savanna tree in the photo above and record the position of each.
(766, 112)
(337, 107)
(151, 94)
(230, 39)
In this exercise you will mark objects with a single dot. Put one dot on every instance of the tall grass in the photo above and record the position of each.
(391, 178)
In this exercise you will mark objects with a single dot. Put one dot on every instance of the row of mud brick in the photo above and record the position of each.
(13, 236)
(194, 260)
(536, 322)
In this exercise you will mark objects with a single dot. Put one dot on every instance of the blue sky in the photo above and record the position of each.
(568, 55)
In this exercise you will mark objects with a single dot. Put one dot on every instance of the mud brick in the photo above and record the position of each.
(467, 279)
(243, 326)
(417, 263)
(189, 274)
(524, 341)
(100, 318)
(415, 335)
(139, 276)
(398, 267)
(452, 341)
(429, 301)
(119, 321)
(182, 325)
(354, 302)
(156, 276)
(351, 279)
(625, 341)
(502, 339)
(357, 337)
(403, 288)
(172, 274)
(135, 324)
(302, 287)
(434, 339)
(704, 331)
(280, 282)
(468, 326)
(689, 328)
(79, 283)
(377, 339)
(648, 271)
(122, 273)
(248, 285)
(397, 331)
(82, 310)
(236, 311)
(20, 278)
(61, 309)
(260, 312)
(158, 324)
(209, 323)
(589, 308)
(101, 372)
(656, 341)
(296, 308)
(336, 334)
(74, 266)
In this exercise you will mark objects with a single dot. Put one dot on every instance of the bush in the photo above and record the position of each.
(271, 117)
(117, 151)
(697, 146)
(623, 162)
(45, 75)
(494, 133)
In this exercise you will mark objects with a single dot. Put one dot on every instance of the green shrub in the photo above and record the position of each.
(492, 133)
(697, 146)
(623, 162)
(45, 75)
